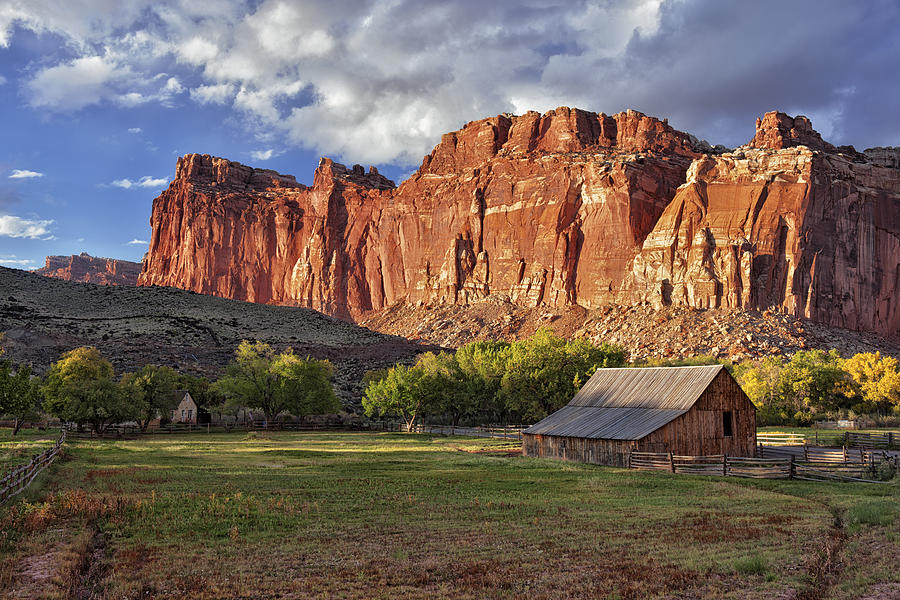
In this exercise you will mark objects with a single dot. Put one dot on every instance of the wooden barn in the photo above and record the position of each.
(690, 411)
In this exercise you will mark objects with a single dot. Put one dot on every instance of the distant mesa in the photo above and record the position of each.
(559, 209)
(91, 269)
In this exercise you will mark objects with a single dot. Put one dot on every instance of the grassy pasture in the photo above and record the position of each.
(368, 515)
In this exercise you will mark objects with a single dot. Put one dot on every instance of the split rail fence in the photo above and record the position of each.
(18, 479)
(822, 466)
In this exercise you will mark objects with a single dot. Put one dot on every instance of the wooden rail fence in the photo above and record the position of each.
(504, 432)
(830, 437)
(18, 479)
(764, 467)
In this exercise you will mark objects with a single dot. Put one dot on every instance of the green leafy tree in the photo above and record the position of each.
(482, 366)
(815, 381)
(544, 372)
(20, 393)
(399, 394)
(152, 390)
(80, 388)
(305, 385)
(260, 379)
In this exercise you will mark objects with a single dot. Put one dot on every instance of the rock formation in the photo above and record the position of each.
(569, 207)
(90, 269)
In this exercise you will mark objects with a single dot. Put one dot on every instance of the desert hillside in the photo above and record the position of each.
(43, 317)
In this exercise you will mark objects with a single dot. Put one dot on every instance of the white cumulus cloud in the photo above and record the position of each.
(144, 182)
(381, 80)
(24, 174)
(17, 227)
(265, 154)
(135, 130)
(137, 242)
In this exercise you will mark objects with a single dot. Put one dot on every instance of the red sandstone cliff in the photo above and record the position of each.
(562, 208)
(90, 269)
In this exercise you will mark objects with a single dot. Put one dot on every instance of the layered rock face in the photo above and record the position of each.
(90, 269)
(569, 207)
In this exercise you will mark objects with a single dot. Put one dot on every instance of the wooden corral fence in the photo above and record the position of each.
(884, 439)
(508, 432)
(816, 468)
(18, 479)
(830, 437)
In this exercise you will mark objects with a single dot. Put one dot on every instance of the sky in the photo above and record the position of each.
(98, 98)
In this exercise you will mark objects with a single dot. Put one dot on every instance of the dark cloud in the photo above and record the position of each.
(713, 66)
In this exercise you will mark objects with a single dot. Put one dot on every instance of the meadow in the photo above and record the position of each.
(388, 515)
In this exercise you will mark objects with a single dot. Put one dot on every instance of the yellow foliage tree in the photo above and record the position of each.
(876, 380)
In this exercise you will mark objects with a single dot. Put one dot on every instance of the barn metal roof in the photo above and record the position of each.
(628, 404)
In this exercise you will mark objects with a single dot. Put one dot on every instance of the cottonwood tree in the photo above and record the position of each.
(20, 393)
(305, 385)
(152, 390)
(544, 372)
(80, 388)
(400, 393)
(258, 378)
(876, 382)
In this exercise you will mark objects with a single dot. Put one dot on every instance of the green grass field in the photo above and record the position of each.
(366, 515)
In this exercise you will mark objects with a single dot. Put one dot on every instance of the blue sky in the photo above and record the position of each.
(99, 97)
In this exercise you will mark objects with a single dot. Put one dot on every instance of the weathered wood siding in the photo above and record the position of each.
(700, 431)
(588, 450)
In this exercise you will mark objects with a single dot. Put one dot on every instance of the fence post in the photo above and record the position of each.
(724, 465)
(805, 452)
(672, 462)
(845, 454)
(628, 462)
(793, 468)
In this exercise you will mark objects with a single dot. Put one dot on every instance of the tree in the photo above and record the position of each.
(305, 385)
(544, 372)
(762, 384)
(80, 388)
(260, 379)
(249, 382)
(482, 365)
(876, 382)
(20, 393)
(398, 394)
(152, 390)
(815, 381)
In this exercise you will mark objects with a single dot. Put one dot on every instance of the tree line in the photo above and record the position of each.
(815, 384)
(489, 381)
(82, 387)
(479, 383)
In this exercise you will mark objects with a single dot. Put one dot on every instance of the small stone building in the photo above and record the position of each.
(690, 411)
(186, 411)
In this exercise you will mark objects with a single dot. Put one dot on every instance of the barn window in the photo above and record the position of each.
(726, 423)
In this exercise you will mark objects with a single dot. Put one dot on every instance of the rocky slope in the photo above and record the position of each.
(565, 209)
(90, 269)
(41, 317)
(669, 332)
